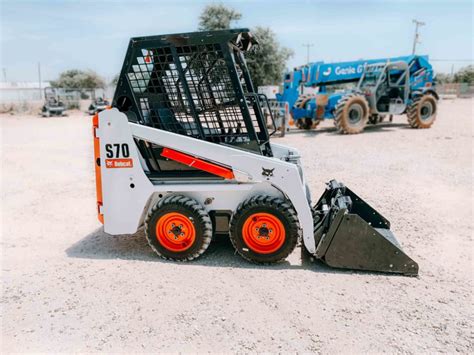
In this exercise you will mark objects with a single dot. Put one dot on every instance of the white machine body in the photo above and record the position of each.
(127, 193)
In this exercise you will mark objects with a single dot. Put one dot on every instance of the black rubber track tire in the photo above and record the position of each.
(414, 111)
(281, 209)
(341, 117)
(195, 212)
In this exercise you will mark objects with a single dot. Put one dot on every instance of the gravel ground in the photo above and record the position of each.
(68, 287)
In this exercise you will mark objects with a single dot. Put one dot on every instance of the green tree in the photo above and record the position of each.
(217, 17)
(115, 80)
(465, 75)
(266, 62)
(442, 78)
(79, 79)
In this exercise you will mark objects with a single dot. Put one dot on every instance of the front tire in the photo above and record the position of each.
(422, 112)
(264, 229)
(178, 228)
(352, 114)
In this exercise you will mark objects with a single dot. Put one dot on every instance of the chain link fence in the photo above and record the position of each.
(454, 90)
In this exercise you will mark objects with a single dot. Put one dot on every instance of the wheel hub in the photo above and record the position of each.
(426, 111)
(175, 232)
(355, 113)
(263, 233)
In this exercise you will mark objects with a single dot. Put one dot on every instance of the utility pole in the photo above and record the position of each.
(307, 45)
(39, 81)
(417, 35)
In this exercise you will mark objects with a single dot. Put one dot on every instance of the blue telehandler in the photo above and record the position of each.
(383, 87)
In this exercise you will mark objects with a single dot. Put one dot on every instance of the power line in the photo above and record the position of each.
(307, 45)
(416, 39)
(39, 81)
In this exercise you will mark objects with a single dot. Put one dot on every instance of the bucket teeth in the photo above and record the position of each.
(350, 234)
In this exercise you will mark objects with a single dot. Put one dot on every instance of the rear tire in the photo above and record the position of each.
(178, 228)
(264, 229)
(422, 112)
(305, 123)
(351, 114)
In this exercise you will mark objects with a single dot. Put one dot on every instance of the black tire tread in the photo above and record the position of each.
(284, 206)
(339, 119)
(413, 112)
(194, 206)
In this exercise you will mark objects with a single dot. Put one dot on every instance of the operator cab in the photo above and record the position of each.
(386, 86)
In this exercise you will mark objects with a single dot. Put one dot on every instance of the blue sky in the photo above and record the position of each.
(94, 34)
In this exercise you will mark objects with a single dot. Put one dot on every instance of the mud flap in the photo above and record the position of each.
(350, 234)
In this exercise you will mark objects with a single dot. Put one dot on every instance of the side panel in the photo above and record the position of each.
(125, 187)
(126, 190)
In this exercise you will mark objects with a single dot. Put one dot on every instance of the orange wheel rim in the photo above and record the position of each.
(263, 233)
(175, 232)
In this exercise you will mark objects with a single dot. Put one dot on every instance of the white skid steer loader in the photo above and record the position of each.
(185, 151)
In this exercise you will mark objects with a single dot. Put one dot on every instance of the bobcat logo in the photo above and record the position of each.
(267, 172)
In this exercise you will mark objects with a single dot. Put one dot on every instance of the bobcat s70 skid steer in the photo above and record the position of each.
(185, 151)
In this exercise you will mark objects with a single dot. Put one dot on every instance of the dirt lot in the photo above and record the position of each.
(66, 286)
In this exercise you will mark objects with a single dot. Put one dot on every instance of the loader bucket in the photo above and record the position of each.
(349, 234)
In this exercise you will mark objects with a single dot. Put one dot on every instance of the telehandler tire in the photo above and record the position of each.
(422, 112)
(264, 229)
(178, 228)
(305, 123)
(351, 114)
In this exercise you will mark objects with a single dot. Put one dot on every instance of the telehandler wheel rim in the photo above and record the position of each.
(175, 232)
(426, 111)
(263, 233)
(356, 112)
